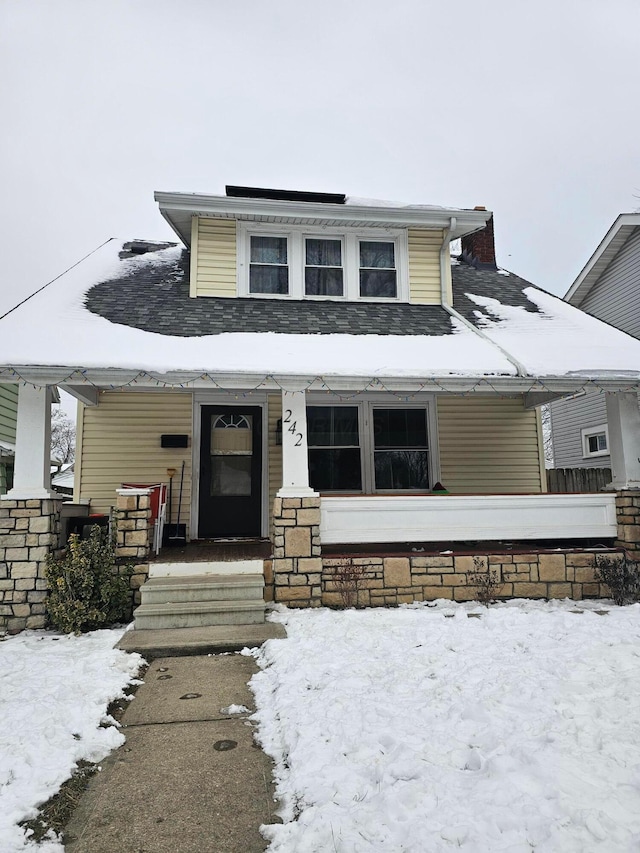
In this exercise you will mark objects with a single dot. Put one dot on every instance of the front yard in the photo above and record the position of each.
(54, 693)
(428, 728)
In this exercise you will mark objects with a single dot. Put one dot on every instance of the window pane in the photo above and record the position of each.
(269, 250)
(400, 428)
(378, 283)
(332, 426)
(319, 281)
(335, 470)
(268, 279)
(325, 253)
(378, 255)
(401, 469)
(597, 442)
(230, 475)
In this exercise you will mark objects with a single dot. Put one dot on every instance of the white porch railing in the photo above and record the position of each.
(441, 518)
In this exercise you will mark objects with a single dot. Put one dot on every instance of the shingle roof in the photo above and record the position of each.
(507, 288)
(155, 298)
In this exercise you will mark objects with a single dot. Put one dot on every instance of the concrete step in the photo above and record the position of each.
(195, 614)
(205, 567)
(203, 588)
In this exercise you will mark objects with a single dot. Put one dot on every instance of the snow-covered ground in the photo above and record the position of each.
(54, 692)
(424, 729)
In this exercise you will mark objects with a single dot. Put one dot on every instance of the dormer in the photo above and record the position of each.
(283, 244)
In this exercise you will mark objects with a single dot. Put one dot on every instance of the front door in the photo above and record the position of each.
(230, 472)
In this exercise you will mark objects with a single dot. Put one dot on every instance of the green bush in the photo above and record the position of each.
(85, 590)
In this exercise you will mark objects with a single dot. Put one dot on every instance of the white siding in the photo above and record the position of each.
(615, 297)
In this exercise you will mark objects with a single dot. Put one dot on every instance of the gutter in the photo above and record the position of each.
(444, 296)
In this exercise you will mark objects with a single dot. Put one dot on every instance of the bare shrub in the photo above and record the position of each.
(487, 582)
(347, 577)
(621, 576)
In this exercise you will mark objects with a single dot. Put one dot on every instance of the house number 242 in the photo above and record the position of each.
(292, 427)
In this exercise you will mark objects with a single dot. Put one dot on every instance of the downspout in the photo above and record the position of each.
(444, 296)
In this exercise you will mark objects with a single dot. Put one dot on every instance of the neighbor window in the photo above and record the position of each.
(368, 448)
(269, 269)
(377, 269)
(595, 441)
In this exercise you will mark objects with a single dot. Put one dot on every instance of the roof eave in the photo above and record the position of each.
(608, 248)
(194, 204)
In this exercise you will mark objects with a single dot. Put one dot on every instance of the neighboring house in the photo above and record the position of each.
(8, 413)
(608, 288)
(325, 376)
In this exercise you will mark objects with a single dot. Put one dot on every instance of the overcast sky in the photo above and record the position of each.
(529, 108)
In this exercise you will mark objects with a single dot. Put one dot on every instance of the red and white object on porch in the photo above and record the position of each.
(158, 504)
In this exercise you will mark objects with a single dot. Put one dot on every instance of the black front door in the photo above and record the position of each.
(230, 472)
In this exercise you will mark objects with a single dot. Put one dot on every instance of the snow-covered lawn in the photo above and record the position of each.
(54, 692)
(425, 729)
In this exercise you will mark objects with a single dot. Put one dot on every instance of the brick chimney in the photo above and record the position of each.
(478, 249)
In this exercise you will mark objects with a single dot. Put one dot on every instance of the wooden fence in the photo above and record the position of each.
(577, 479)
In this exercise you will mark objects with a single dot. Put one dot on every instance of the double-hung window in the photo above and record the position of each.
(323, 273)
(377, 269)
(298, 263)
(268, 266)
(369, 448)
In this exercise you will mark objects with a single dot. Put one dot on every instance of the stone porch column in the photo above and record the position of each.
(29, 515)
(623, 418)
(133, 513)
(297, 564)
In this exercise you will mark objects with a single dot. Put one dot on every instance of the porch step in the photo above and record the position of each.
(205, 567)
(194, 614)
(241, 587)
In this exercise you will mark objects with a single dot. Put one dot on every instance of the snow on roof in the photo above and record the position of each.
(54, 328)
(354, 201)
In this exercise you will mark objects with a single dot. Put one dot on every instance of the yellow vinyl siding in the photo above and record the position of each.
(213, 264)
(275, 451)
(488, 445)
(8, 412)
(424, 266)
(120, 443)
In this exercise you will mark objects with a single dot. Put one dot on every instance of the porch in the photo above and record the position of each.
(262, 459)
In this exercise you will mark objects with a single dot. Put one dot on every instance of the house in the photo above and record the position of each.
(608, 287)
(8, 410)
(315, 374)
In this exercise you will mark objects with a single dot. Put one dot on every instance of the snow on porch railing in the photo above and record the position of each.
(436, 518)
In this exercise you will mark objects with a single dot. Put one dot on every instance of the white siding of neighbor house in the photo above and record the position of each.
(8, 412)
(489, 445)
(119, 442)
(615, 298)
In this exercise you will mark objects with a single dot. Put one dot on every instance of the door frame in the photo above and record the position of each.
(231, 399)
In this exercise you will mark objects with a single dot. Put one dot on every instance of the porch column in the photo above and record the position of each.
(295, 460)
(297, 564)
(32, 466)
(623, 418)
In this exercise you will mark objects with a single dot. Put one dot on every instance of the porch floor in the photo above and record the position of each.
(430, 549)
(215, 550)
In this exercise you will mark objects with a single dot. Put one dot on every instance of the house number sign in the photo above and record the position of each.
(292, 427)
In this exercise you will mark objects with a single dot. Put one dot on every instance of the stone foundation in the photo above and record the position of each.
(379, 581)
(297, 564)
(29, 531)
(133, 513)
(628, 520)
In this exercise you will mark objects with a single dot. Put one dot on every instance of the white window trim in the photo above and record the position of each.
(589, 432)
(365, 406)
(350, 259)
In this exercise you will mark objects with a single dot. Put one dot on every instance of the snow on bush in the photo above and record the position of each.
(54, 693)
(422, 729)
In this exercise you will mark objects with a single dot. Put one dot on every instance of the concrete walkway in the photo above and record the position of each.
(189, 778)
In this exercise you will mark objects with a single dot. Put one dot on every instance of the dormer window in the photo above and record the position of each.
(297, 263)
(269, 268)
(323, 273)
(377, 269)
